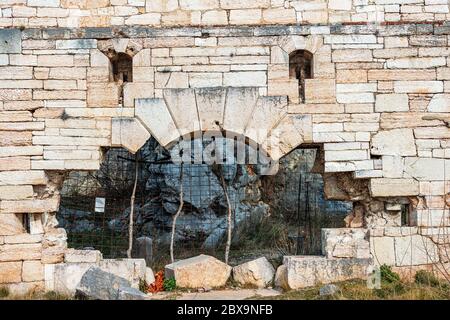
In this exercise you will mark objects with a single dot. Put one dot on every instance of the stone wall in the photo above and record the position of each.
(378, 103)
(168, 13)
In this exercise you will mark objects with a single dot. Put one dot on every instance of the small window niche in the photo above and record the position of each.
(122, 67)
(301, 68)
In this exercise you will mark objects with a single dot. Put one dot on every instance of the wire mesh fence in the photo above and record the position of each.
(272, 215)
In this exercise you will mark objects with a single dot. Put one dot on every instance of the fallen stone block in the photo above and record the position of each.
(133, 270)
(308, 271)
(128, 293)
(259, 273)
(281, 277)
(199, 272)
(99, 285)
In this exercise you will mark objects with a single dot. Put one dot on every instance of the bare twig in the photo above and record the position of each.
(131, 220)
(174, 222)
(229, 217)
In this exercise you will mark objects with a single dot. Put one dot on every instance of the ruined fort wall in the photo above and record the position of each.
(378, 103)
(167, 13)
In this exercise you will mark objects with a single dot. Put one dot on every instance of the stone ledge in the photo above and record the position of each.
(231, 31)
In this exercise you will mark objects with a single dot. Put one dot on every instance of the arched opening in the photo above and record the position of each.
(272, 215)
(122, 67)
(301, 68)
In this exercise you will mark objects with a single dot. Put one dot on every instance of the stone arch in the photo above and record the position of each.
(265, 120)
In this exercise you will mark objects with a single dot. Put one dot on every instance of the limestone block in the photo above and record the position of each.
(292, 131)
(415, 250)
(10, 41)
(29, 206)
(14, 163)
(132, 91)
(345, 5)
(23, 238)
(151, 18)
(16, 252)
(396, 142)
(128, 133)
(259, 273)
(32, 271)
(183, 108)
(432, 133)
(266, 115)
(416, 63)
(320, 91)
(99, 60)
(10, 272)
(82, 256)
(34, 177)
(205, 80)
(279, 16)
(245, 79)
(176, 80)
(238, 4)
(284, 87)
(215, 17)
(382, 250)
(393, 166)
(11, 224)
(391, 103)
(103, 95)
(56, 60)
(439, 103)
(142, 59)
(65, 277)
(96, 284)
(211, 106)
(418, 87)
(307, 271)
(199, 272)
(345, 243)
(76, 44)
(426, 169)
(120, 45)
(239, 107)
(16, 192)
(247, 16)
(155, 116)
(384, 187)
(161, 5)
(132, 270)
(281, 280)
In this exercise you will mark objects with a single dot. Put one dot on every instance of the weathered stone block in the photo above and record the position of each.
(129, 133)
(103, 95)
(391, 103)
(307, 271)
(396, 142)
(199, 272)
(384, 187)
(415, 250)
(10, 41)
(82, 256)
(32, 271)
(259, 273)
(17, 252)
(10, 272)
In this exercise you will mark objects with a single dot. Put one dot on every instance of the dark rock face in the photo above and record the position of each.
(203, 220)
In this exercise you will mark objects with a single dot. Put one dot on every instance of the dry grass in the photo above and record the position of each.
(32, 295)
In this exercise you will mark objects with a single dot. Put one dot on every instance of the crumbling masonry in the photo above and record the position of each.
(368, 81)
